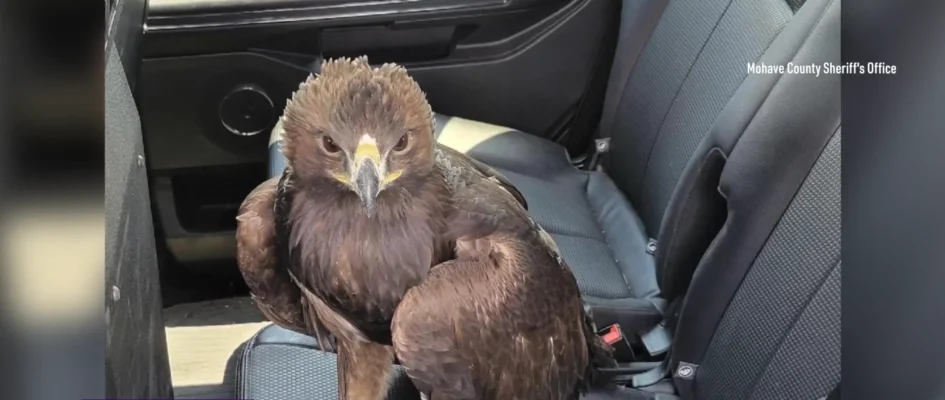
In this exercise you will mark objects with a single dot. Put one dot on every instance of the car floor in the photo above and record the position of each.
(202, 341)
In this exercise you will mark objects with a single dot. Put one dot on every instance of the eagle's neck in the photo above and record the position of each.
(368, 263)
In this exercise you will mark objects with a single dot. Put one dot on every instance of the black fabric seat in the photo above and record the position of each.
(767, 287)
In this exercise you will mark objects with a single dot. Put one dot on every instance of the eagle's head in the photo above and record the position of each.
(367, 129)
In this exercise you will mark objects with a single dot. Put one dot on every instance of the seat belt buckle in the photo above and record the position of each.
(614, 336)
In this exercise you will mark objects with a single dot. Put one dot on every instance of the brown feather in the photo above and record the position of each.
(364, 370)
(270, 285)
(508, 281)
(463, 162)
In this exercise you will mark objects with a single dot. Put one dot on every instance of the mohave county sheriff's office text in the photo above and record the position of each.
(872, 68)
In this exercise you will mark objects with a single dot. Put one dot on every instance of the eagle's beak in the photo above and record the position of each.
(367, 175)
(366, 182)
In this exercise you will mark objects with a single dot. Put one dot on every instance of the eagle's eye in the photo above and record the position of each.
(402, 143)
(330, 145)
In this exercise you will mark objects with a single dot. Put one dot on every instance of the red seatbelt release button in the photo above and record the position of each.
(612, 334)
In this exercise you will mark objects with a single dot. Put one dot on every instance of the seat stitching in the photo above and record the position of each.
(587, 203)
(579, 237)
(597, 220)
(616, 263)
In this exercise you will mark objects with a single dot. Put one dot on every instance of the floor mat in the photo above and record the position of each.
(203, 340)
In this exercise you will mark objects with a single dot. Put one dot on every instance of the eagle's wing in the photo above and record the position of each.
(466, 163)
(267, 266)
(428, 345)
(261, 263)
(502, 320)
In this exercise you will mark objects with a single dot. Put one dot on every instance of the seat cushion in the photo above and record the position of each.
(277, 364)
(599, 234)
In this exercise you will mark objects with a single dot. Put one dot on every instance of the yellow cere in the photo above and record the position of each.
(368, 150)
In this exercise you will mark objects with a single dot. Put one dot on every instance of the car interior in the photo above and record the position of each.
(698, 204)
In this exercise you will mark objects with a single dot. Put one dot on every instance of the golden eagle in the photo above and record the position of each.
(374, 225)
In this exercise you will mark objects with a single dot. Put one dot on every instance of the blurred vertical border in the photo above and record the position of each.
(52, 333)
(894, 201)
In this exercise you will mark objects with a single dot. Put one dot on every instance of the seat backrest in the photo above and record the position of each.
(659, 107)
(696, 210)
(761, 318)
(779, 334)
